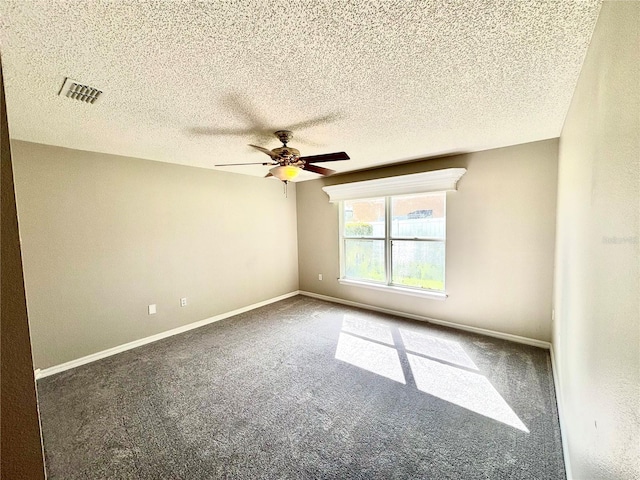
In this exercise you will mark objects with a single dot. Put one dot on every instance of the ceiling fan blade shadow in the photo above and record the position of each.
(237, 104)
(262, 136)
(257, 127)
(255, 135)
(327, 157)
(219, 131)
(301, 139)
(312, 122)
(320, 170)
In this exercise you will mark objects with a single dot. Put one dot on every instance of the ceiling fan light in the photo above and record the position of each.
(285, 172)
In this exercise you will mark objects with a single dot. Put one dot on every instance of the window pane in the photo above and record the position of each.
(418, 264)
(364, 260)
(418, 216)
(364, 218)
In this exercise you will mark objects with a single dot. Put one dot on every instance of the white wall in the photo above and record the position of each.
(500, 241)
(596, 334)
(103, 236)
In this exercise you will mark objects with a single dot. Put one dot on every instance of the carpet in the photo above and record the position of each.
(307, 389)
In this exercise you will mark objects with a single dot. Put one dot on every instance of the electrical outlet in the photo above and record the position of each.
(319, 276)
(152, 309)
(183, 302)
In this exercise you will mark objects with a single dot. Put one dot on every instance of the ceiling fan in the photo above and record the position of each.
(287, 162)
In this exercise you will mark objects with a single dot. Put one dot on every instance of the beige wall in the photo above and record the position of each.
(500, 241)
(104, 236)
(21, 452)
(597, 328)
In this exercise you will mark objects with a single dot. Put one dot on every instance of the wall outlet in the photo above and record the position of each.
(319, 276)
(152, 309)
(183, 302)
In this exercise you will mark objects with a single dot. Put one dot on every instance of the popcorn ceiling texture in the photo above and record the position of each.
(194, 82)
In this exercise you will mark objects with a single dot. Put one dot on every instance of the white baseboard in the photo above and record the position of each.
(563, 428)
(481, 331)
(41, 373)
(45, 372)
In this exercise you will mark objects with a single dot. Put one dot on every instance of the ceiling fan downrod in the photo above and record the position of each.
(284, 136)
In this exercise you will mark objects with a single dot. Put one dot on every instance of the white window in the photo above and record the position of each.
(393, 231)
(395, 240)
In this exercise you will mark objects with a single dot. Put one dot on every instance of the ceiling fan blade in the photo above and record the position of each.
(327, 157)
(320, 170)
(234, 164)
(268, 175)
(264, 150)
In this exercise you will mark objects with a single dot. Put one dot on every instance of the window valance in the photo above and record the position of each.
(434, 181)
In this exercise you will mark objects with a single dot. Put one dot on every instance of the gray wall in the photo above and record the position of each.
(104, 236)
(597, 286)
(500, 241)
(21, 452)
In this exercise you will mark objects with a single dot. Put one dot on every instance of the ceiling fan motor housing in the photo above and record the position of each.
(286, 155)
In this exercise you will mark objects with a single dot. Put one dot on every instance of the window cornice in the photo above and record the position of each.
(434, 181)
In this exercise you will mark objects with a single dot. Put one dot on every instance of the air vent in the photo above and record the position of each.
(79, 91)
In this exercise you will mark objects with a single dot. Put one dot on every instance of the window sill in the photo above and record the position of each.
(394, 289)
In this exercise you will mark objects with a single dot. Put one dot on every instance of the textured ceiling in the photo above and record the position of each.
(386, 81)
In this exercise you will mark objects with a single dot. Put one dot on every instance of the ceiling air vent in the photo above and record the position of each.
(79, 91)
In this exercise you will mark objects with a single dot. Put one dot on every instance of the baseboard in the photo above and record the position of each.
(45, 372)
(563, 429)
(41, 373)
(481, 331)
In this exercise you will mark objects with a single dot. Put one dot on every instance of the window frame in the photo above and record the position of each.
(388, 239)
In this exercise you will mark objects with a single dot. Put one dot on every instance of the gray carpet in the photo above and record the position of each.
(307, 389)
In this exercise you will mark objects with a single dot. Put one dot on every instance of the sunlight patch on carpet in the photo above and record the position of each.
(437, 348)
(439, 367)
(367, 328)
(371, 356)
(466, 389)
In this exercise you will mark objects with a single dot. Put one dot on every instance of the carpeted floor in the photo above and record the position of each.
(306, 389)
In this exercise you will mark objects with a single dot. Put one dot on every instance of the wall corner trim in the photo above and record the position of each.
(45, 372)
(563, 427)
(433, 181)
